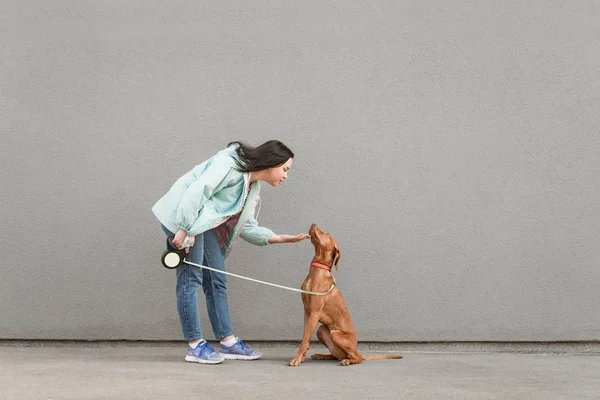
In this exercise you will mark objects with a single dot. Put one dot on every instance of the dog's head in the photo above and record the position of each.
(326, 249)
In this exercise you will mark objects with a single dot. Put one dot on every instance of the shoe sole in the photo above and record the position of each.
(201, 361)
(239, 357)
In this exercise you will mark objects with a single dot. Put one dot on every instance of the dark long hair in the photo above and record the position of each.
(268, 155)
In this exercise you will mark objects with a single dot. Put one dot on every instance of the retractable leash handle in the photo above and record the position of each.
(172, 257)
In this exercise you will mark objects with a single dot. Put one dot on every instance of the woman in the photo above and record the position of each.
(207, 209)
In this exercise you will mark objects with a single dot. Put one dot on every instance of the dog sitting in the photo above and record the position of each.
(337, 330)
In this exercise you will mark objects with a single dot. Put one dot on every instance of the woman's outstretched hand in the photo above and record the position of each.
(288, 238)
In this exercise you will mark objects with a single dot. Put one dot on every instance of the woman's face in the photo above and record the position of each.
(276, 175)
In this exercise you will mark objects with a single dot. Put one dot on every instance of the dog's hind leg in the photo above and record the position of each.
(347, 344)
(324, 337)
(350, 361)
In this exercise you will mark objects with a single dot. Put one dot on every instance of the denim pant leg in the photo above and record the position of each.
(215, 287)
(189, 280)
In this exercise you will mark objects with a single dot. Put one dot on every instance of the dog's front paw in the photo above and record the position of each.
(345, 362)
(295, 362)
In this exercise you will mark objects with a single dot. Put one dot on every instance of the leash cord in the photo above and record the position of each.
(266, 283)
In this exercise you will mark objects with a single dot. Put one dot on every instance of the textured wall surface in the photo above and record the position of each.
(451, 147)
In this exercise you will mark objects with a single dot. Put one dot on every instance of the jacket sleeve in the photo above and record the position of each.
(199, 192)
(255, 234)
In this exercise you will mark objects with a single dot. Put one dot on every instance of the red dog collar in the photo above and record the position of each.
(322, 266)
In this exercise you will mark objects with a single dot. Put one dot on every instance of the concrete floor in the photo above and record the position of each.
(158, 372)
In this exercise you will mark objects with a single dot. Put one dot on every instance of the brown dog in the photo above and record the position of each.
(337, 330)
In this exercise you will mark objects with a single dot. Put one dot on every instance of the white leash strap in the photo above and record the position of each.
(266, 283)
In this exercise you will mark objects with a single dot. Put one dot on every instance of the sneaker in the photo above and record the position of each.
(203, 354)
(239, 351)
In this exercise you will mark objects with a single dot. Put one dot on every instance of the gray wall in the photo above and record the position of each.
(451, 147)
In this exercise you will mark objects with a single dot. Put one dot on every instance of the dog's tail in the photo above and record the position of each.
(382, 357)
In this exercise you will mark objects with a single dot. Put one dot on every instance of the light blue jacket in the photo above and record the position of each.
(207, 196)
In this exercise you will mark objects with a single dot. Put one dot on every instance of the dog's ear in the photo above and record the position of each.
(337, 256)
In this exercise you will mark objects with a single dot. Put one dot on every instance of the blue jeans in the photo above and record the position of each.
(205, 251)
